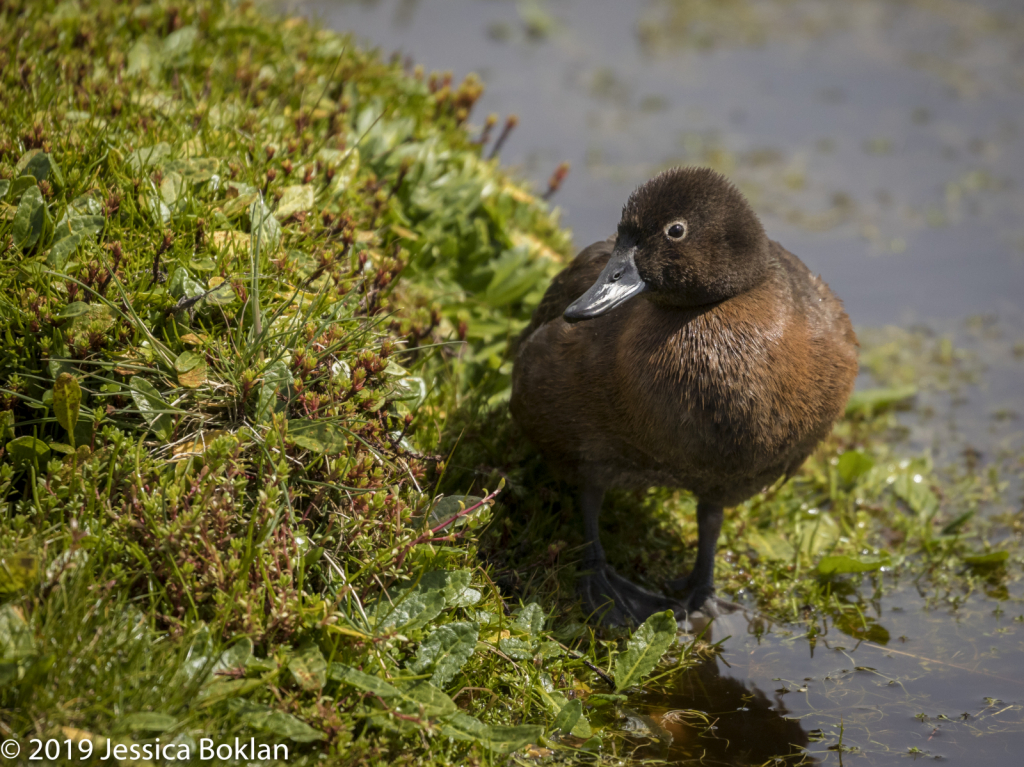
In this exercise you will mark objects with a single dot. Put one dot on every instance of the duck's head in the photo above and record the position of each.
(687, 238)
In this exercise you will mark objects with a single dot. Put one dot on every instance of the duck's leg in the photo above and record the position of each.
(606, 594)
(699, 585)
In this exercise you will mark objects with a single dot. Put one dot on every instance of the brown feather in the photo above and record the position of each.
(721, 396)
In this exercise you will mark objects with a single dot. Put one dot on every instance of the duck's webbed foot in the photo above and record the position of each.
(699, 596)
(617, 601)
(606, 595)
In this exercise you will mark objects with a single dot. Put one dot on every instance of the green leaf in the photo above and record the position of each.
(195, 170)
(149, 721)
(554, 702)
(178, 45)
(67, 401)
(410, 612)
(236, 656)
(516, 648)
(203, 264)
(868, 401)
(516, 284)
(308, 668)
(530, 619)
(986, 560)
(914, 491)
(339, 672)
(954, 527)
(411, 389)
(27, 449)
(152, 407)
(453, 585)
(568, 716)
(5, 187)
(20, 185)
(172, 186)
(17, 573)
(644, 649)
(421, 697)
(186, 361)
(498, 738)
(221, 689)
(278, 723)
(504, 739)
(816, 533)
(276, 377)
(41, 165)
(411, 697)
(85, 205)
(853, 464)
(191, 369)
(82, 314)
(270, 235)
(324, 436)
(769, 544)
(140, 57)
(450, 505)
(29, 219)
(184, 285)
(839, 564)
(140, 159)
(606, 699)
(16, 639)
(23, 162)
(79, 224)
(446, 650)
(222, 295)
(462, 726)
(295, 200)
(62, 250)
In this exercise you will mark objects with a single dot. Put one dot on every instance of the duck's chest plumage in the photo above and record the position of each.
(720, 400)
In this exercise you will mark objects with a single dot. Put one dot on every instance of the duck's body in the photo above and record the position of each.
(720, 397)
(721, 400)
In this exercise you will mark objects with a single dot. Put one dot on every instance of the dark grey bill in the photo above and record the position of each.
(617, 283)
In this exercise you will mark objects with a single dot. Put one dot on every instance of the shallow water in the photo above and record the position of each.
(883, 143)
(910, 689)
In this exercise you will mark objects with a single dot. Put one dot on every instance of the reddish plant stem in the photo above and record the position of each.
(430, 533)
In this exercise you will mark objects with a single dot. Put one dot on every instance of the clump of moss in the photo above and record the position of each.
(233, 275)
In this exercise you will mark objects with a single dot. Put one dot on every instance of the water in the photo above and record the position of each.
(880, 141)
(945, 684)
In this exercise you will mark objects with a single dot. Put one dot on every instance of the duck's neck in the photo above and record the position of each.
(712, 351)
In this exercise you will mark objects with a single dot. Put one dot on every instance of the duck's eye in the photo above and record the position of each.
(677, 230)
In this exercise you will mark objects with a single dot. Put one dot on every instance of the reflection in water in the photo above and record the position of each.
(742, 725)
(714, 712)
(941, 691)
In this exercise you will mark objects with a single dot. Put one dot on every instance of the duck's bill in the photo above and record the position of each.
(618, 282)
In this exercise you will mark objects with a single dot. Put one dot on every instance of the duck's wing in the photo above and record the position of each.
(822, 309)
(571, 283)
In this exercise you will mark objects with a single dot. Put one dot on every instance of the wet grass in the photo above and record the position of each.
(257, 475)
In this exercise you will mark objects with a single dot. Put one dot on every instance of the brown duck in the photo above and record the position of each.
(688, 351)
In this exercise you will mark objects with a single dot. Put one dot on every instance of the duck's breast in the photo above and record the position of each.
(733, 395)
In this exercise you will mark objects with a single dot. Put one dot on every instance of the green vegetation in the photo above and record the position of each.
(257, 478)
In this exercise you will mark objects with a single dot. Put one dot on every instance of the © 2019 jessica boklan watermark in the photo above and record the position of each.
(177, 751)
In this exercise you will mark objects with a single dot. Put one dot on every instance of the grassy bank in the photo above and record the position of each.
(257, 478)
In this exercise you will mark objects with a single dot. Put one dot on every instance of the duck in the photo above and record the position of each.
(686, 351)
